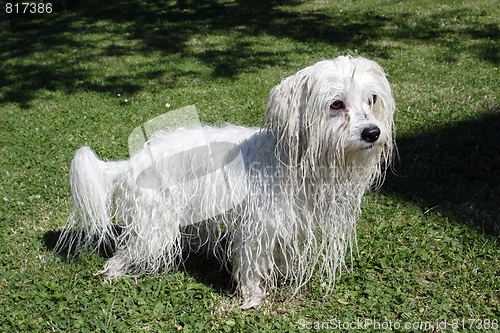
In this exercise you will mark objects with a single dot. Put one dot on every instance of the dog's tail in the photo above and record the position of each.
(93, 183)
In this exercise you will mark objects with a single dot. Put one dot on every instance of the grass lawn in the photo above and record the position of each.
(429, 250)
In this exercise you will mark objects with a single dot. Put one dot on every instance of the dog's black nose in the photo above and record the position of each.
(370, 134)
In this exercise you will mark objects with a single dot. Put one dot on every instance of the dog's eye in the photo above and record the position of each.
(373, 100)
(337, 105)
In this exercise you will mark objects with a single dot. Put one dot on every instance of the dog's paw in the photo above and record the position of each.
(252, 303)
(253, 294)
(113, 268)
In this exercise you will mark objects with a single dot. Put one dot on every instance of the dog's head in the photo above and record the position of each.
(337, 112)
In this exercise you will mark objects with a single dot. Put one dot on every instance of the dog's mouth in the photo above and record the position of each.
(359, 148)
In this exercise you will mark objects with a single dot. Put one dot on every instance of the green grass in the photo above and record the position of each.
(428, 239)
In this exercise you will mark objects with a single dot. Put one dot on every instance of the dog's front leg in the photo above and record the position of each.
(250, 277)
(253, 268)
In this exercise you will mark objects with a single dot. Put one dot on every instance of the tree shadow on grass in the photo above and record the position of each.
(168, 27)
(454, 170)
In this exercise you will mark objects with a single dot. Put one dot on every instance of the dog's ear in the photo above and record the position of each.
(285, 103)
(285, 112)
(386, 105)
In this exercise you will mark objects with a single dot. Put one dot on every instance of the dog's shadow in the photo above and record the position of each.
(199, 265)
(53, 242)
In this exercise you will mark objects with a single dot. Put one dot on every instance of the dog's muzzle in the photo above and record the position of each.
(370, 134)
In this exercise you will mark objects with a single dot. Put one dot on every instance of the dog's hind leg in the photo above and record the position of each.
(145, 248)
(140, 259)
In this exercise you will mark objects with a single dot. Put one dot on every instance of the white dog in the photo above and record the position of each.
(274, 203)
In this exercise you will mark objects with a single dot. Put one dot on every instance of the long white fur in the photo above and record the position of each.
(304, 174)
